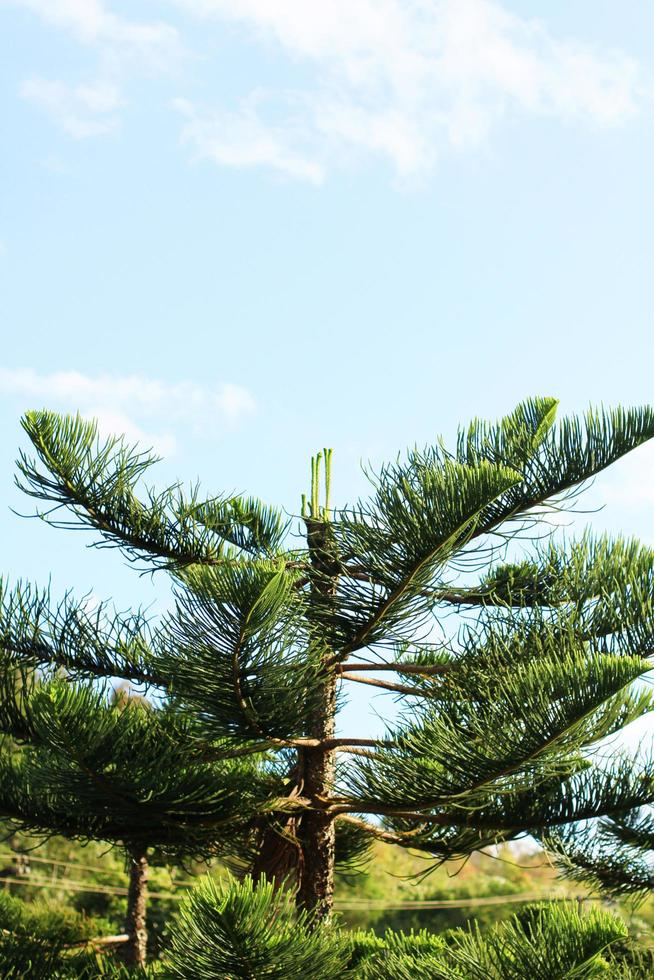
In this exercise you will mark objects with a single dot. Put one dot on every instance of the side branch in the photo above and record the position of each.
(377, 832)
(271, 744)
(398, 668)
(340, 809)
(334, 743)
(385, 685)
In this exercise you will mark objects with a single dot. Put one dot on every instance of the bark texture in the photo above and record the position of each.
(317, 830)
(299, 851)
(278, 858)
(136, 948)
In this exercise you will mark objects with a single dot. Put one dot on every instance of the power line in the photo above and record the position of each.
(32, 859)
(454, 903)
(342, 905)
(350, 905)
(67, 884)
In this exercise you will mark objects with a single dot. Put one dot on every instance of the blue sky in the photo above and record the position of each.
(240, 230)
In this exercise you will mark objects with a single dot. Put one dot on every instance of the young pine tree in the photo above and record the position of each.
(506, 703)
(78, 762)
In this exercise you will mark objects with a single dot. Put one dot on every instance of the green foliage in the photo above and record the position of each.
(248, 932)
(97, 642)
(44, 942)
(240, 654)
(546, 943)
(421, 513)
(527, 720)
(576, 573)
(79, 772)
(552, 942)
(613, 855)
(552, 459)
(96, 481)
(630, 960)
(380, 957)
(503, 720)
(353, 849)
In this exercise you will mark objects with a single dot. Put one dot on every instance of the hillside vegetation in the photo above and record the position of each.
(396, 889)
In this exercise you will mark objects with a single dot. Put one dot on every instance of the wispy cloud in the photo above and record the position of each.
(92, 22)
(81, 110)
(406, 81)
(124, 47)
(132, 404)
(241, 139)
(403, 81)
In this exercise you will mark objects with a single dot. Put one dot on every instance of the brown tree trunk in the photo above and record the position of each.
(317, 830)
(301, 851)
(135, 949)
(278, 856)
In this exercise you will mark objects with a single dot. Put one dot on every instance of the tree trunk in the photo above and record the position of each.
(135, 949)
(278, 856)
(317, 831)
(301, 851)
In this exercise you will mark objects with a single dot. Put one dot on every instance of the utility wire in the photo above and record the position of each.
(343, 905)
(32, 859)
(80, 886)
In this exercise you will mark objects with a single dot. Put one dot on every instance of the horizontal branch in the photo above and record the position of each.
(375, 831)
(122, 937)
(337, 808)
(399, 668)
(385, 685)
(334, 743)
(465, 598)
(217, 754)
(323, 743)
(30, 656)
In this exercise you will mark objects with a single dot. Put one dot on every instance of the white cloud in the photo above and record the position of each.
(111, 423)
(124, 404)
(124, 47)
(405, 79)
(92, 22)
(242, 139)
(82, 110)
(398, 80)
(235, 401)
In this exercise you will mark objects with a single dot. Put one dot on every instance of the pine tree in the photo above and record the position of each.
(514, 656)
(40, 941)
(81, 763)
(249, 933)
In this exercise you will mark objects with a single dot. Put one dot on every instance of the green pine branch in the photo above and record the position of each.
(95, 482)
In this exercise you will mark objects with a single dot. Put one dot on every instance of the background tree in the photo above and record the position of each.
(503, 720)
(81, 763)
